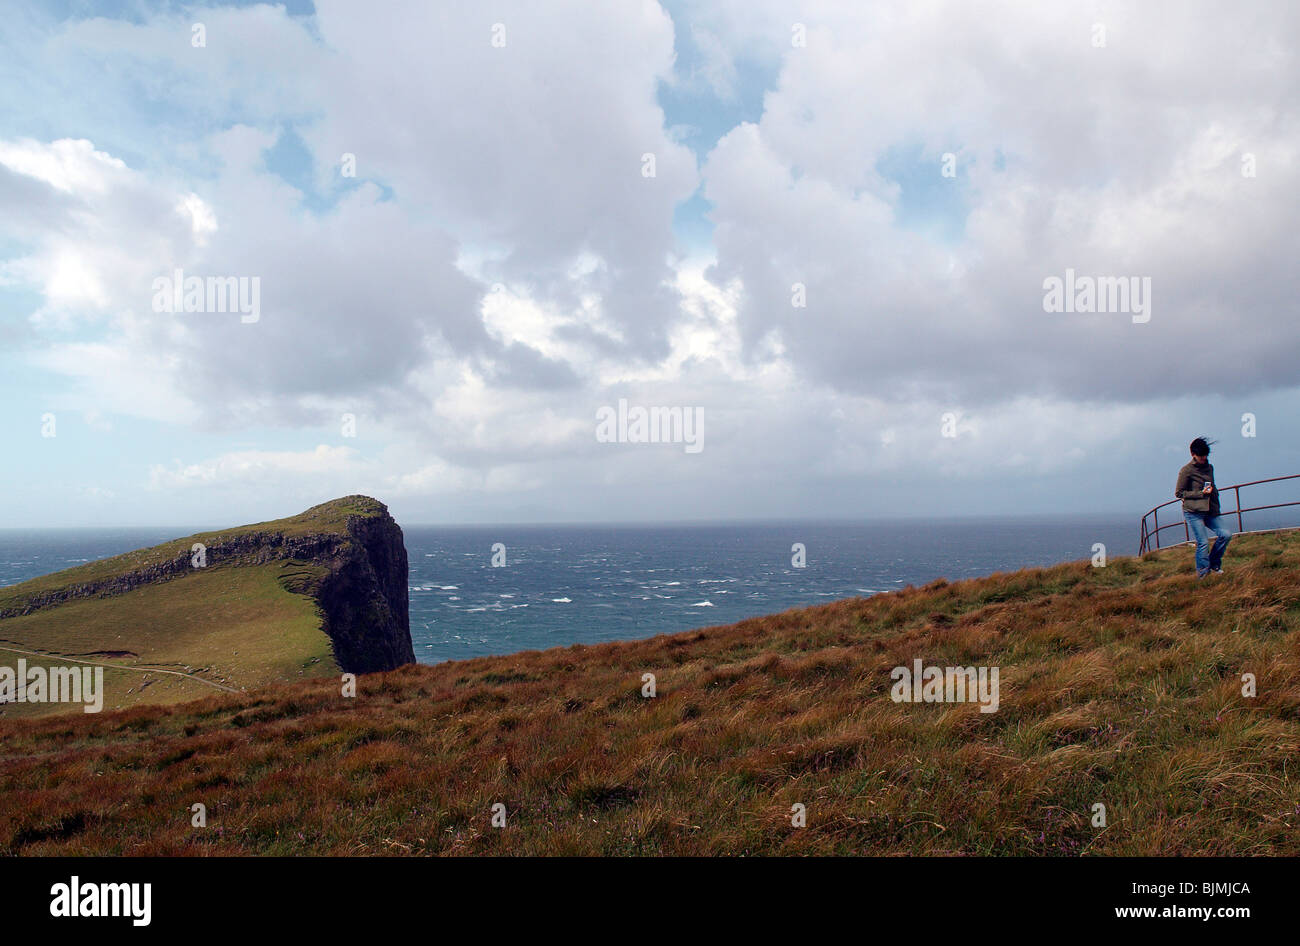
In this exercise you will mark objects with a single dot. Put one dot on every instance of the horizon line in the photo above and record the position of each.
(848, 520)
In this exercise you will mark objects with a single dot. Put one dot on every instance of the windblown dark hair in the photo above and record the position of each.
(1201, 447)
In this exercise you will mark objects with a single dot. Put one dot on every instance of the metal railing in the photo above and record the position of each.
(1151, 533)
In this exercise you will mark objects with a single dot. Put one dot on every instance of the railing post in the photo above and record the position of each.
(1240, 527)
(1156, 511)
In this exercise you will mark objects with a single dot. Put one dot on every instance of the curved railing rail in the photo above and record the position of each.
(1151, 532)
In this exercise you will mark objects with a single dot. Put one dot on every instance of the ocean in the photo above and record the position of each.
(585, 584)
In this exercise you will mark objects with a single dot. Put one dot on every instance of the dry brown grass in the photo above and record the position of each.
(1119, 686)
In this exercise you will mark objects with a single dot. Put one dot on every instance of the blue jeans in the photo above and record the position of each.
(1208, 558)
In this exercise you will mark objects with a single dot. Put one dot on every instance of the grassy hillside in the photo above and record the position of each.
(1120, 686)
(241, 622)
(233, 626)
(326, 519)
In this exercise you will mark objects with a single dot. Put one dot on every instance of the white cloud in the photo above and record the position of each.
(1118, 161)
(68, 165)
(521, 166)
(257, 466)
(202, 219)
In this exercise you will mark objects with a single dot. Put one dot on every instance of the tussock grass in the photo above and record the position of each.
(1119, 686)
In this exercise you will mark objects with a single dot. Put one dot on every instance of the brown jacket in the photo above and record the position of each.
(1191, 479)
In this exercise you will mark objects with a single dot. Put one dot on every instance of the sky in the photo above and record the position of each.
(827, 233)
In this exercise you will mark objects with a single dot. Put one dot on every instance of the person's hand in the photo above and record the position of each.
(1207, 488)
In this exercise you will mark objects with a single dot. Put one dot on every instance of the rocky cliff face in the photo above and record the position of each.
(364, 597)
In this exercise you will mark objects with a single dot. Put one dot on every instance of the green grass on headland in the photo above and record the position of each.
(180, 634)
(235, 626)
(325, 519)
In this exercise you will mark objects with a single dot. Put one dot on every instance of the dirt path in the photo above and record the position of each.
(175, 673)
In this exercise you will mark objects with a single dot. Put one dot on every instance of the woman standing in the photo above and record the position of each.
(1195, 487)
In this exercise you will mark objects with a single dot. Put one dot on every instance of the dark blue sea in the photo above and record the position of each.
(585, 584)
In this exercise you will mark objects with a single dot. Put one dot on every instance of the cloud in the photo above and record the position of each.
(69, 166)
(500, 267)
(361, 297)
(1124, 160)
(256, 466)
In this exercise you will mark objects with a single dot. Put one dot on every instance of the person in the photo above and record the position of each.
(1200, 496)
